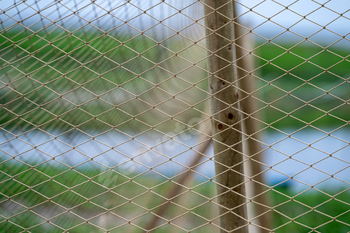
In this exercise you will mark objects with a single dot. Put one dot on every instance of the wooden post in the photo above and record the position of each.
(249, 105)
(226, 121)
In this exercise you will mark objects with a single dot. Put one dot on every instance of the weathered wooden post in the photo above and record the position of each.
(249, 105)
(226, 121)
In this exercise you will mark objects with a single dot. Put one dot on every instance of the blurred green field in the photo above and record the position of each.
(78, 199)
(53, 79)
(90, 79)
(304, 84)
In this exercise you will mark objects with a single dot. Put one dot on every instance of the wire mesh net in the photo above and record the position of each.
(105, 116)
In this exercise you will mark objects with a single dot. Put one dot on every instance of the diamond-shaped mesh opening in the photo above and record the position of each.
(116, 116)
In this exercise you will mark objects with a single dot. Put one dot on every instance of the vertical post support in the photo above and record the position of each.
(226, 120)
(247, 83)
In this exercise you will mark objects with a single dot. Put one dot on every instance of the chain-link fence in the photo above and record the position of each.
(107, 110)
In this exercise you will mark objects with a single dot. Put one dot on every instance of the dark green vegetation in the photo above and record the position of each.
(59, 194)
(324, 211)
(304, 84)
(71, 199)
(90, 79)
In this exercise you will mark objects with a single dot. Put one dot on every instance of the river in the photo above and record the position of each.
(311, 157)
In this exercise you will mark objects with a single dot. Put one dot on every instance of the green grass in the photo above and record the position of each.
(89, 80)
(326, 211)
(303, 84)
(46, 71)
(53, 190)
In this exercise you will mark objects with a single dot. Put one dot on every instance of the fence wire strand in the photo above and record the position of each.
(105, 121)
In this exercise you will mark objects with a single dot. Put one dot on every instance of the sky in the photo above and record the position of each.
(319, 20)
